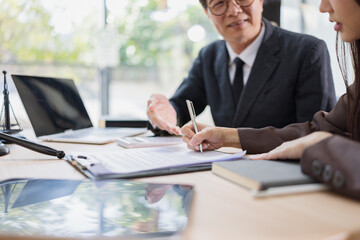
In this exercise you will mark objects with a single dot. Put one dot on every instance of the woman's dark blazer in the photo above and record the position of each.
(334, 161)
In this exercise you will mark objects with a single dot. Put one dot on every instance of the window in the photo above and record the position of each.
(304, 16)
(144, 46)
(123, 50)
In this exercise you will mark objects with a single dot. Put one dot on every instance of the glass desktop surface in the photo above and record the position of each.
(112, 208)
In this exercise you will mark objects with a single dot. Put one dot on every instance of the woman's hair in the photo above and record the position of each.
(353, 118)
(353, 103)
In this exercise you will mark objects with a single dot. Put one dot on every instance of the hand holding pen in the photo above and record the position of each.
(192, 113)
(210, 137)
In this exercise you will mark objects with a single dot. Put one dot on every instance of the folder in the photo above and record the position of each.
(145, 162)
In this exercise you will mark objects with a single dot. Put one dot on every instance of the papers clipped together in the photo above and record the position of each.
(144, 162)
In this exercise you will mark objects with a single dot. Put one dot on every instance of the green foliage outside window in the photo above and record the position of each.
(27, 35)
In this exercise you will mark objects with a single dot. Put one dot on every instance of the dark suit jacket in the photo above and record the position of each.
(290, 80)
(334, 160)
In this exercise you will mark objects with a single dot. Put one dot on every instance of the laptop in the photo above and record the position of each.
(57, 112)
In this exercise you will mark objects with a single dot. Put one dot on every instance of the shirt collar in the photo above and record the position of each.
(248, 55)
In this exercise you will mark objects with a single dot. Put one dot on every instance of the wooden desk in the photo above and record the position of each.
(221, 210)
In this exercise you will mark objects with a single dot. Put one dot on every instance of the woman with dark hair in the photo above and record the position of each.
(329, 145)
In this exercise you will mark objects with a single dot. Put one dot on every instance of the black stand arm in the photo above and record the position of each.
(33, 146)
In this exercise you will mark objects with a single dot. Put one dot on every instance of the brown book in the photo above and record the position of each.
(262, 174)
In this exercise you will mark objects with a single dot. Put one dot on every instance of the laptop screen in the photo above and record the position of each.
(53, 105)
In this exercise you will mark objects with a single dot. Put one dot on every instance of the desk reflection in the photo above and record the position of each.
(89, 209)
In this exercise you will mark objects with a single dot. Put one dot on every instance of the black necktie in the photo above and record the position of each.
(238, 83)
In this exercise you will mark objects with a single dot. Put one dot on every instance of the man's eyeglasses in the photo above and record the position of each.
(219, 7)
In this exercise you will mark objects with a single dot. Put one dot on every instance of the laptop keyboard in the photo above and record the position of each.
(75, 135)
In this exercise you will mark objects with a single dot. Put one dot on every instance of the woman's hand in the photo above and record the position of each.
(292, 149)
(210, 137)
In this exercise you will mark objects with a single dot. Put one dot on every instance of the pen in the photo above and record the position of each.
(192, 113)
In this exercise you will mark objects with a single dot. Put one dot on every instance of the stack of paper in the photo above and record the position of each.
(149, 141)
(146, 161)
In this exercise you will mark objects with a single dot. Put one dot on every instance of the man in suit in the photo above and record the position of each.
(259, 75)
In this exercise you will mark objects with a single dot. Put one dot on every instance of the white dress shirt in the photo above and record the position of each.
(247, 56)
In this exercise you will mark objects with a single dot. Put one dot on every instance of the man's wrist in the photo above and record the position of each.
(157, 131)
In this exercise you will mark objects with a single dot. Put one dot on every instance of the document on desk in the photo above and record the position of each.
(143, 162)
(148, 141)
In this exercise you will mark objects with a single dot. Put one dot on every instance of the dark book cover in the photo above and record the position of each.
(262, 174)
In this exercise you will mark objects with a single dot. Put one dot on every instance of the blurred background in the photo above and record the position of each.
(120, 51)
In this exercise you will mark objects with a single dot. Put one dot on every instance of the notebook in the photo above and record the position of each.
(265, 178)
(57, 112)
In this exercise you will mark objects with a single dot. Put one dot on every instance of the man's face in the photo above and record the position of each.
(238, 24)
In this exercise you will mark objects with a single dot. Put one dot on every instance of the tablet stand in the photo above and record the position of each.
(5, 123)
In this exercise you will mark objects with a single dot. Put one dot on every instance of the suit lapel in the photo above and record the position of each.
(265, 63)
(221, 69)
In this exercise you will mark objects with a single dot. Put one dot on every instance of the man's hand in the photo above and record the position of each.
(210, 137)
(161, 114)
(292, 149)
